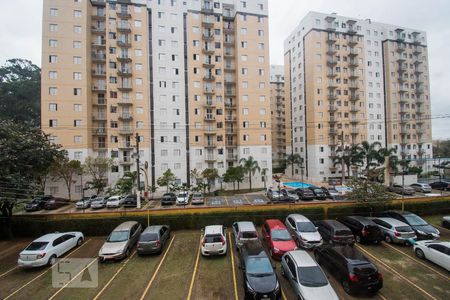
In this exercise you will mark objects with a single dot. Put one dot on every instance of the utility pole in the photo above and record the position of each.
(342, 159)
(138, 204)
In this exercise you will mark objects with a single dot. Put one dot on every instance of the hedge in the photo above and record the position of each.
(179, 219)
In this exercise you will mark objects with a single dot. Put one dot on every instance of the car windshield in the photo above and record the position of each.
(332, 191)
(213, 238)
(34, 246)
(292, 192)
(249, 235)
(197, 195)
(148, 237)
(259, 266)
(414, 220)
(403, 229)
(281, 235)
(182, 195)
(365, 269)
(306, 227)
(118, 236)
(318, 191)
(311, 276)
(343, 232)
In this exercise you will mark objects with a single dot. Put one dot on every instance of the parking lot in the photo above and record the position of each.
(181, 273)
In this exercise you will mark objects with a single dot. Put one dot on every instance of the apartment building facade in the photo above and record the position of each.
(353, 80)
(189, 80)
(278, 113)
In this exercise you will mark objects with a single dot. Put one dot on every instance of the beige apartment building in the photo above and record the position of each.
(189, 80)
(353, 80)
(278, 113)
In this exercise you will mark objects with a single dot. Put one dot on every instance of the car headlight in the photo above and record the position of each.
(437, 232)
(275, 249)
(421, 232)
(249, 288)
(277, 287)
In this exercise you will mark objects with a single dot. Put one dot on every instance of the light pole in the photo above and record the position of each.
(302, 167)
(145, 170)
(138, 202)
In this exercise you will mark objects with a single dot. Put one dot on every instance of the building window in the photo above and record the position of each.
(76, 123)
(53, 27)
(78, 107)
(53, 12)
(53, 91)
(77, 91)
(77, 29)
(76, 44)
(53, 75)
(77, 139)
(53, 59)
(77, 75)
(53, 43)
(53, 107)
(52, 123)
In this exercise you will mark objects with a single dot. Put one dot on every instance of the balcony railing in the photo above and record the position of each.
(125, 87)
(230, 118)
(126, 145)
(126, 130)
(101, 131)
(99, 117)
(210, 117)
(99, 57)
(124, 14)
(125, 116)
(123, 27)
(123, 57)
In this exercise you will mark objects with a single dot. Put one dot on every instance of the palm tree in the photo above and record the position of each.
(294, 159)
(264, 174)
(250, 166)
(195, 175)
(349, 158)
(369, 153)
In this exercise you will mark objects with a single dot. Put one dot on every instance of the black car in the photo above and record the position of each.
(37, 203)
(260, 279)
(334, 232)
(440, 185)
(423, 230)
(130, 201)
(319, 194)
(331, 193)
(169, 199)
(364, 230)
(305, 194)
(351, 267)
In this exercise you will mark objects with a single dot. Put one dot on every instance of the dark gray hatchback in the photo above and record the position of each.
(153, 239)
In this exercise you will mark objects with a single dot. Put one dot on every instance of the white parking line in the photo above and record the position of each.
(7, 272)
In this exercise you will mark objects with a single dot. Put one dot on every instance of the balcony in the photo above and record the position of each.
(230, 104)
(332, 108)
(353, 63)
(99, 44)
(123, 58)
(332, 84)
(354, 109)
(353, 75)
(419, 90)
(211, 144)
(99, 102)
(98, 2)
(331, 62)
(124, 43)
(230, 93)
(333, 119)
(352, 52)
(210, 131)
(352, 41)
(230, 118)
(402, 68)
(125, 28)
(228, 54)
(126, 130)
(98, 29)
(332, 96)
(331, 39)
(99, 117)
(228, 16)
(401, 48)
(417, 50)
(208, 50)
(98, 57)
(402, 88)
(206, 23)
(124, 72)
(418, 71)
(231, 131)
(125, 145)
(228, 42)
(124, 101)
(354, 97)
(354, 120)
(333, 132)
(401, 59)
(228, 30)
(232, 157)
(208, 91)
(125, 87)
(231, 144)
(125, 116)
(126, 160)
(99, 146)
(353, 86)
(331, 50)
(209, 104)
(209, 37)
(354, 131)
(229, 68)
(210, 117)
(351, 30)
(402, 78)
(210, 158)
(229, 83)
(100, 15)
(98, 73)
(209, 78)
(100, 131)
(99, 88)
(124, 14)
(331, 74)
(207, 9)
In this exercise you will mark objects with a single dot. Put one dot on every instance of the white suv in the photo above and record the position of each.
(183, 198)
(214, 240)
(115, 201)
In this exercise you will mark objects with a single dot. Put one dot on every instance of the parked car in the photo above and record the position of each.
(349, 266)
(435, 251)
(197, 198)
(402, 190)
(153, 239)
(303, 230)
(319, 194)
(214, 240)
(244, 231)
(331, 193)
(99, 202)
(421, 187)
(46, 249)
(115, 201)
(290, 195)
(423, 230)
(446, 222)
(84, 202)
(119, 243)
(440, 185)
(260, 279)
(183, 198)
(130, 201)
(55, 203)
(364, 229)
(275, 195)
(395, 231)
(305, 194)
(168, 199)
(306, 277)
(277, 238)
(334, 232)
(37, 203)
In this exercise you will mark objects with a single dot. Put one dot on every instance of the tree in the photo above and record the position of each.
(369, 193)
(441, 148)
(196, 175)
(97, 168)
(369, 154)
(294, 159)
(348, 157)
(210, 174)
(264, 176)
(65, 169)
(239, 175)
(20, 90)
(26, 154)
(166, 178)
(250, 167)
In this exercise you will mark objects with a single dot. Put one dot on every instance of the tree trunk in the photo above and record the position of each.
(250, 179)
(292, 169)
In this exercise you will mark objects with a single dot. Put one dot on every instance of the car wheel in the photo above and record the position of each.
(346, 286)
(79, 242)
(52, 260)
(388, 239)
(419, 253)
(358, 239)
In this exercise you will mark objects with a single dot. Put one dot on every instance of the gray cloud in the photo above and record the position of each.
(21, 29)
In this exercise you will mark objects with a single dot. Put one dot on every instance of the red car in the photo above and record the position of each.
(277, 238)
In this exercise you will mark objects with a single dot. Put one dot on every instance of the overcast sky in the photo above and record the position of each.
(21, 34)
